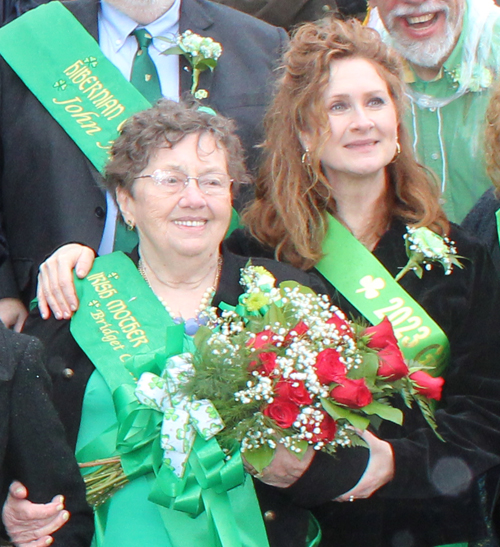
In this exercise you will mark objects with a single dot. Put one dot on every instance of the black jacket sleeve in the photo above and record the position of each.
(37, 453)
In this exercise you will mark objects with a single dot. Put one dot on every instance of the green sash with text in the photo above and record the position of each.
(365, 282)
(64, 67)
(126, 332)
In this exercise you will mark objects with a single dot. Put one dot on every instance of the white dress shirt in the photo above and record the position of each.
(120, 47)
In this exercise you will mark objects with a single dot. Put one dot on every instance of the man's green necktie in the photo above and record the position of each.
(145, 78)
(144, 75)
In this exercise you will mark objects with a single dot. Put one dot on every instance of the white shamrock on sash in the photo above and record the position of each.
(371, 286)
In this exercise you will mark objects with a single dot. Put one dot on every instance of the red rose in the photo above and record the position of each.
(391, 363)
(293, 390)
(261, 339)
(427, 385)
(352, 393)
(381, 335)
(327, 429)
(338, 319)
(300, 329)
(283, 412)
(268, 360)
(329, 367)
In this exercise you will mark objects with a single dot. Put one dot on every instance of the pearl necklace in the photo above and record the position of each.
(201, 314)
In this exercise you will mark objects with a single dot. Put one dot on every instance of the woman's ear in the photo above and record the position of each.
(125, 206)
(305, 140)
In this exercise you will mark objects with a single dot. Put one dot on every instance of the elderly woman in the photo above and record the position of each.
(340, 191)
(172, 171)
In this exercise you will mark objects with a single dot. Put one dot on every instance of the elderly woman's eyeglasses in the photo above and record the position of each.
(172, 182)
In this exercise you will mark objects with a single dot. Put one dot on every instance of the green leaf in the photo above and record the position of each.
(274, 315)
(385, 412)
(426, 408)
(163, 39)
(367, 369)
(174, 50)
(202, 64)
(339, 412)
(260, 457)
(293, 284)
(302, 446)
(211, 63)
(355, 439)
(201, 336)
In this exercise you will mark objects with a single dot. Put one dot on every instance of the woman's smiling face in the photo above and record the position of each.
(187, 223)
(362, 120)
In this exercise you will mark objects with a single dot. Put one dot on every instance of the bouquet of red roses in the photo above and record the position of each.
(285, 366)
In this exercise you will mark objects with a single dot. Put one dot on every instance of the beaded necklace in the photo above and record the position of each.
(201, 315)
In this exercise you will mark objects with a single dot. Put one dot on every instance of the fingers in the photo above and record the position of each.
(56, 289)
(380, 469)
(42, 542)
(18, 490)
(286, 468)
(13, 313)
(20, 320)
(31, 524)
(41, 536)
(85, 262)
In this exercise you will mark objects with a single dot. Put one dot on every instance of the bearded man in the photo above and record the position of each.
(50, 192)
(452, 53)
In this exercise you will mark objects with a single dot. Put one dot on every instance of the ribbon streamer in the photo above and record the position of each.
(182, 417)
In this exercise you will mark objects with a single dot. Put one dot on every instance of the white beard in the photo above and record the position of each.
(432, 52)
(142, 11)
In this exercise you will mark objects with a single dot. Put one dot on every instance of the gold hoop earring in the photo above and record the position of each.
(398, 152)
(130, 225)
(305, 159)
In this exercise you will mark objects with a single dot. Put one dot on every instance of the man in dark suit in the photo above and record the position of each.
(50, 192)
(33, 445)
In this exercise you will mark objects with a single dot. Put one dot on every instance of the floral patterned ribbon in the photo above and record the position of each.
(182, 418)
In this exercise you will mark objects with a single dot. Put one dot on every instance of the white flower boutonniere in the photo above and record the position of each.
(424, 247)
(201, 51)
(481, 77)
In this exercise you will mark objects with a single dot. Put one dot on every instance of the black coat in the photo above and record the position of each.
(481, 222)
(33, 446)
(434, 497)
(50, 193)
(284, 510)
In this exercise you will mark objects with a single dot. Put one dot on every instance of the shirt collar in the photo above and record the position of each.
(120, 26)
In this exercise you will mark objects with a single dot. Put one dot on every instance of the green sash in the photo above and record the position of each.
(64, 67)
(364, 281)
(121, 326)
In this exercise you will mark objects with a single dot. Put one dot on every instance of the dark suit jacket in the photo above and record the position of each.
(33, 447)
(296, 12)
(284, 510)
(274, 12)
(50, 192)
